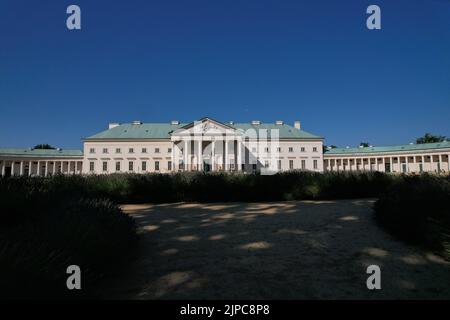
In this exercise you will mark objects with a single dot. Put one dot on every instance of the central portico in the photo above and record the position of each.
(207, 145)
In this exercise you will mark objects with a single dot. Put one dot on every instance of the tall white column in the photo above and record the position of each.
(239, 155)
(199, 156)
(3, 168)
(46, 168)
(172, 156)
(185, 153)
(12, 168)
(440, 162)
(213, 155)
(226, 156)
(38, 168)
(21, 168)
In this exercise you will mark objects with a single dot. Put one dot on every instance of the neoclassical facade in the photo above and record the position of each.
(210, 145)
(203, 145)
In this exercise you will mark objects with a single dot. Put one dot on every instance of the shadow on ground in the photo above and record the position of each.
(284, 250)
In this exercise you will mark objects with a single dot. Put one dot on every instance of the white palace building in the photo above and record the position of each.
(210, 145)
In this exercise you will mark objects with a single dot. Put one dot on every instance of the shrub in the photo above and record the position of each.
(417, 210)
(46, 226)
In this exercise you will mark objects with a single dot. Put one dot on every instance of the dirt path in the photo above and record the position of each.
(285, 250)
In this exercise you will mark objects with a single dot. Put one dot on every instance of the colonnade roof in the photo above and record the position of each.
(383, 149)
(29, 152)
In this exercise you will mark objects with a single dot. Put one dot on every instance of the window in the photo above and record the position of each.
(266, 149)
(118, 166)
(291, 149)
(118, 150)
(144, 150)
(302, 149)
(315, 164)
(254, 167)
(279, 149)
(266, 163)
(404, 167)
(91, 166)
(420, 167)
(232, 166)
(291, 164)
(105, 166)
(130, 150)
(92, 150)
(105, 150)
(180, 165)
(130, 166)
(303, 164)
(156, 165)
(144, 165)
(279, 164)
(169, 150)
(169, 165)
(314, 149)
(156, 150)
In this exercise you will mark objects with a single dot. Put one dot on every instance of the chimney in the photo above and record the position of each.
(297, 125)
(256, 122)
(279, 122)
(113, 125)
(175, 122)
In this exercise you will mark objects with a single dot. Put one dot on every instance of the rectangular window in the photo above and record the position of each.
(266, 163)
(279, 149)
(156, 150)
(156, 165)
(291, 149)
(315, 164)
(117, 150)
(144, 165)
(130, 166)
(420, 167)
(291, 164)
(302, 149)
(144, 150)
(232, 166)
(169, 165)
(180, 165)
(105, 166)
(130, 150)
(169, 150)
(92, 150)
(314, 149)
(279, 164)
(91, 166)
(118, 166)
(254, 167)
(266, 149)
(303, 164)
(105, 150)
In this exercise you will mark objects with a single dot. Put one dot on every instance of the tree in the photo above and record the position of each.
(43, 146)
(364, 144)
(325, 148)
(429, 138)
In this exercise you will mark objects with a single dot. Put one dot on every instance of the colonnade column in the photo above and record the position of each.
(3, 167)
(46, 168)
(21, 168)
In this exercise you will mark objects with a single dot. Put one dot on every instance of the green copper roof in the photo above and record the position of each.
(407, 147)
(28, 152)
(163, 130)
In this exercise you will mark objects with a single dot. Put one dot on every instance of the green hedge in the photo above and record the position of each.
(209, 187)
(417, 210)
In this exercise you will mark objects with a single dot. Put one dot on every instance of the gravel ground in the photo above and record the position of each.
(282, 250)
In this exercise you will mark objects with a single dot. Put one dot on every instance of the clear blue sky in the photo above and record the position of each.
(155, 61)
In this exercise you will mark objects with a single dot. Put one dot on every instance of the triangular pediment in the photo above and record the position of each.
(204, 126)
